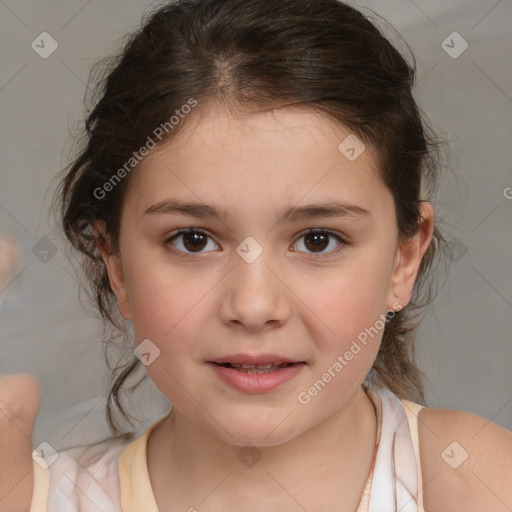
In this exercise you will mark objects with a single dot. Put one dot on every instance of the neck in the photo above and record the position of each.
(186, 459)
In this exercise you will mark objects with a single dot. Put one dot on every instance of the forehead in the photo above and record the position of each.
(213, 126)
(275, 156)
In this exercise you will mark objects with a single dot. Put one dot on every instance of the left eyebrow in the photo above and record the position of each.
(328, 209)
(292, 214)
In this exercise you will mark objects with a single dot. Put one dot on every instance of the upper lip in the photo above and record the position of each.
(255, 360)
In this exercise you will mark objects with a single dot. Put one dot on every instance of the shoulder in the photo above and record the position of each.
(86, 474)
(466, 462)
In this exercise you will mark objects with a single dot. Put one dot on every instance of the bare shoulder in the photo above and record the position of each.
(466, 462)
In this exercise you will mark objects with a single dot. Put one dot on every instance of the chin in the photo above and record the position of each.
(255, 435)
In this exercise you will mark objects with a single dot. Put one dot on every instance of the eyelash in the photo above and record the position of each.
(334, 234)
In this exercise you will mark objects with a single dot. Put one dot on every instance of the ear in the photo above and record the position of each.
(408, 259)
(114, 267)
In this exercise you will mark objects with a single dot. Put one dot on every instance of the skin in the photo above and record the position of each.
(200, 307)
(19, 402)
(208, 306)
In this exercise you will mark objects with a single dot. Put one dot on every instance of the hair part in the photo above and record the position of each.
(254, 56)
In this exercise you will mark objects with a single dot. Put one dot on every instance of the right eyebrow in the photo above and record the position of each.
(192, 209)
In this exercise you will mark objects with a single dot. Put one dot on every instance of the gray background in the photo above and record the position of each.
(464, 345)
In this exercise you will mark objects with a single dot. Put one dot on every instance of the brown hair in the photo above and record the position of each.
(259, 55)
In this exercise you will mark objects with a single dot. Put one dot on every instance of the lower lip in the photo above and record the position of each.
(256, 382)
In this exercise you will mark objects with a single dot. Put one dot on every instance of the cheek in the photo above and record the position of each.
(167, 310)
(157, 290)
(348, 337)
(170, 306)
(164, 305)
(354, 299)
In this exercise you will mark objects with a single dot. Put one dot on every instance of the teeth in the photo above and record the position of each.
(259, 368)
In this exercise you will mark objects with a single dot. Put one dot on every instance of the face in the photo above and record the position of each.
(302, 263)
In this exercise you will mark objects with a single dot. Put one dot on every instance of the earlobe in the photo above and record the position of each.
(409, 256)
(114, 267)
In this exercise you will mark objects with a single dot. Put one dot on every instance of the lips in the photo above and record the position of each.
(256, 374)
(250, 361)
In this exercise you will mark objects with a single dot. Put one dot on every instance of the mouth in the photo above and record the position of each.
(256, 374)
(257, 368)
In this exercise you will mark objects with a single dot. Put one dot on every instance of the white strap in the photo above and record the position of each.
(394, 483)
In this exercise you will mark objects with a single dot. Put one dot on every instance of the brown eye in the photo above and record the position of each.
(193, 241)
(318, 241)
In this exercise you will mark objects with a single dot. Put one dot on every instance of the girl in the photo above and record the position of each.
(253, 199)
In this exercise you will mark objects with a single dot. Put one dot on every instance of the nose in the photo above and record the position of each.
(254, 297)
